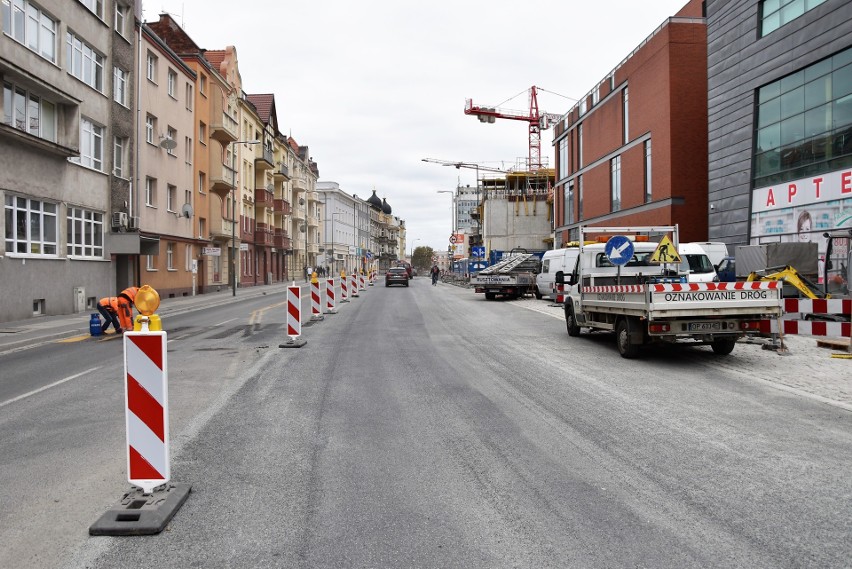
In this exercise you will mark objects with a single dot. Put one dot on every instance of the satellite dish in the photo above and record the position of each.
(186, 210)
(168, 143)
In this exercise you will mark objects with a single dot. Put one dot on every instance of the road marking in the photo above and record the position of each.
(73, 339)
(54, 384)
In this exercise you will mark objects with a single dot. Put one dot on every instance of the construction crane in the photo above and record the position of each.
(536, 120)
(472, 165)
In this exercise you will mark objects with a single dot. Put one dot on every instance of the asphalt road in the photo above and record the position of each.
(426, 427)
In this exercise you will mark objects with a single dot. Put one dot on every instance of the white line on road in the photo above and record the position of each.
(54, 384)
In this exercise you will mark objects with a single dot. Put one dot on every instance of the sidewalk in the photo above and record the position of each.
(21, 334)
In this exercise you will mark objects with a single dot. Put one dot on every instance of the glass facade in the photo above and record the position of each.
(804, 122)
(776, 13)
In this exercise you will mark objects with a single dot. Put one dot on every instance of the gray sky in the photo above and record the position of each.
(374, 86)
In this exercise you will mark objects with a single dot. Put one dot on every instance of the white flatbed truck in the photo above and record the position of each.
(624, 286)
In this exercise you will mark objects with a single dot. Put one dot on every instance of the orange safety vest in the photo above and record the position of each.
(130, 293)
(110, 303)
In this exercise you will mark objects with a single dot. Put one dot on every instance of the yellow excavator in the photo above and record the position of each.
(791, 276)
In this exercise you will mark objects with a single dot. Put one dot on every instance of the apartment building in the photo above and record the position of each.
(633, 151)
(780, 120)
(66, 154)
(215, 129)
(167, 201)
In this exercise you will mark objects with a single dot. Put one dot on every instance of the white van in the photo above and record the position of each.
(696, 262)
(716, 250)
(553, 261)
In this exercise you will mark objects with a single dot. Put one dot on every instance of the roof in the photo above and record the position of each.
(265, 105)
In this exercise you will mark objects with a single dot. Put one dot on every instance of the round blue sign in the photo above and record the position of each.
(619, 250)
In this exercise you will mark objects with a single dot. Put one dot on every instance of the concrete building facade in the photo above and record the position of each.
(66, 155)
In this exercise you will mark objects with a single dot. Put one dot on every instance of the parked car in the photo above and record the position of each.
(396, 275)
(727, 270)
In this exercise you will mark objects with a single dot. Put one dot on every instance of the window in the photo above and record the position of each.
(151, 67)
(31, 226)
(151, 192)
(29, 112)
(170, 256)
(171, 84)
(625, 107)
(91, 145)
(202, 84)
(776, 13)
(119, 157)
(120, 23)
(202, 182)
(580, 145)
(202, 133)
(96, 7)
(84, 233)
(171, 134)
(84, 62)
(596, 94)
(149, 263)
(187, 143)
(569, 202)
(803, 122)
(171, 197)
(187, 257)
(187, 197)
(648, 186)
(150, 128)
(615, 183)
(579, 198)
(563, 157)
(29, 26)
(119, 85)
(189, 96)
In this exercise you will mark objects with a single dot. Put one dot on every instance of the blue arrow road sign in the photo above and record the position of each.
(619, 250)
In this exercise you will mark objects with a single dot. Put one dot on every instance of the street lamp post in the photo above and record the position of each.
(234, 213)
(412, 250)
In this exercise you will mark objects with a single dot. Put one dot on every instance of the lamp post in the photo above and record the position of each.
(412, 250)
(452, 218)
(234, 213)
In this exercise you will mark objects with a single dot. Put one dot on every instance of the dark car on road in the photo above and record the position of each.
(396, 275)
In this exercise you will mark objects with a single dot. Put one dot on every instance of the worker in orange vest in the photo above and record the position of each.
(109, 309)
(126, 298)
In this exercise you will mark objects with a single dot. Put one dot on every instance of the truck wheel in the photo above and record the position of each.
(723, 346)
(538, 294)
(623, 336)
(490, 295)
(571, 322)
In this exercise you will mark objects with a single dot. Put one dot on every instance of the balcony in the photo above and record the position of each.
(281, 173)
(222, 230)
(263, 198)
(222, 182)
(281, 240)
(224, 128)
(313, 248)
(299, 185)
(313, 221)
(263, 235)
(281, 207)
(266, 161)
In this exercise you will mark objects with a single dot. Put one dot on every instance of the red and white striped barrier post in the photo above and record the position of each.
(353, 280)
(294, 318)
(146, 408)
(329, 297)
(344, 288)
(362, 281)
(316, 304)
(559, 294)
(370, 277)
(149, 507)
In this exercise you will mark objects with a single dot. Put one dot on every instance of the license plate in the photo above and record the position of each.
(705, 326)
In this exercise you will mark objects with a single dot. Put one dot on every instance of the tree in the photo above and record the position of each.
(422, 257)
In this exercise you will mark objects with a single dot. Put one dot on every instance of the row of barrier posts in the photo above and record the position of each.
(153, 500)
